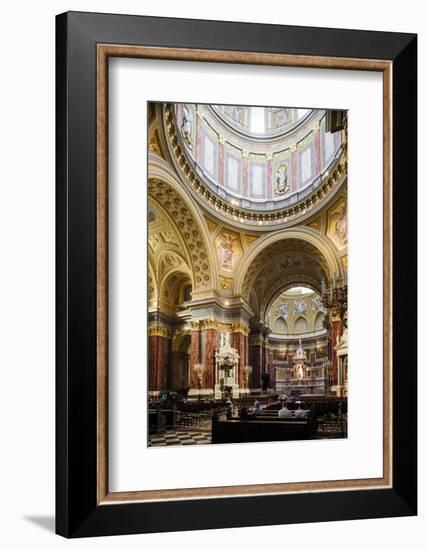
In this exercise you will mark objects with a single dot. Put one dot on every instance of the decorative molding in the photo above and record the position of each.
(242, 328)
(186, 224)
(212, 225)
(315, 224)
(154, 144)
(329, 183)
(249, 239)
(160, 331)
(226, 283)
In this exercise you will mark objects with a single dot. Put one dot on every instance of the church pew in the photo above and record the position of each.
(250, 431)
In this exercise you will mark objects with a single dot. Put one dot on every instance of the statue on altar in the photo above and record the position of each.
(299, 361)
(226, 366)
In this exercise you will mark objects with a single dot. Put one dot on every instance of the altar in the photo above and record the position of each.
(226, 369)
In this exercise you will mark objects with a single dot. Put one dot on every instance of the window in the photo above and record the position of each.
(209, 155)
(257, 181)
(233, 173)
(306, 164)
(257, 120)
(328, 145)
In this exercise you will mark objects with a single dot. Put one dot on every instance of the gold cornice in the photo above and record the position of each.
(213, 324)
(242, 328)
(209, 324)
(160, 331)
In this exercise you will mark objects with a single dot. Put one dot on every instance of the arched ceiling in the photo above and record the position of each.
(183, 223)
(286, 258)
(301, 259)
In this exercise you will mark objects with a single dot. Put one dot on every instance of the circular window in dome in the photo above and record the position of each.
(260, 122)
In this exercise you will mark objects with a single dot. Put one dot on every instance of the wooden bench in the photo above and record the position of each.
(250, 431)
(274, 414)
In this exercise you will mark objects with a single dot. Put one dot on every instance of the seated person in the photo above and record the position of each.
(284, 412)
(300, 413)
(243, 413)
(257, 408)
(229, 409)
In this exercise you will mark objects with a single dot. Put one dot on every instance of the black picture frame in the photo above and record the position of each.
(78, 513)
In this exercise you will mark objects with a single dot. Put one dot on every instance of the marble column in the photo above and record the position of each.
(269, 179)
(255, 355)
(245, 175)
(294, 171)
(221, 170)
(208, 340)
(317, 146)
(238, 342)
(335, 334)
(195, 355)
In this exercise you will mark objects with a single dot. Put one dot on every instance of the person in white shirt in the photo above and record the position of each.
(284, 412)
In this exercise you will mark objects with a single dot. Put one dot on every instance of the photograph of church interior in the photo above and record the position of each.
(247, 274)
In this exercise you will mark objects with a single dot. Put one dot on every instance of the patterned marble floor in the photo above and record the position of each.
(170, 438)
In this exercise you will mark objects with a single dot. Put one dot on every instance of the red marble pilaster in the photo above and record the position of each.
(335, 334)
(317, 146)
(294, 173)
(269, 178)
(198, 139)
(245, 176)
(209, 343)
(159, 350)
(221, 163)
(195, 347)
(239, 344)
(313, 359)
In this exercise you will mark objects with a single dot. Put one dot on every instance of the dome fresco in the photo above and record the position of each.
(298, 310)
(259, 159)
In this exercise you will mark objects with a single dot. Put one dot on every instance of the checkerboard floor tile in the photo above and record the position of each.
(179, 438)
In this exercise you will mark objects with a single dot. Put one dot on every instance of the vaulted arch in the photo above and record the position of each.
(165, 189)
(275, 244)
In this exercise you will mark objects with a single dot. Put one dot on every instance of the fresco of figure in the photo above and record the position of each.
(342, 226)
(226, 251)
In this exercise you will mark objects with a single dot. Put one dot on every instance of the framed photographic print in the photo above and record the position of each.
(236, 274)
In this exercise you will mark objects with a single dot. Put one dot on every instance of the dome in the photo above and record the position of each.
(255, 165)
(260, 122)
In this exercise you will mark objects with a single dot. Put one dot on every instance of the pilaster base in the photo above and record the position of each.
(203, 393)
(218, 394)
(339, 391)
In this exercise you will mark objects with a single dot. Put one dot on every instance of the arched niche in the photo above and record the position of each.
(280, 326)
(319, 321)
(277, 244)
(165, 188)
(300, 325)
